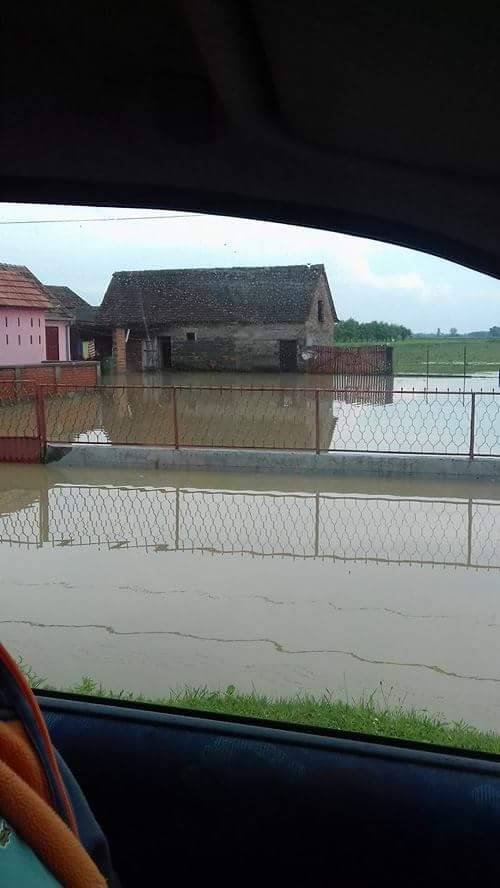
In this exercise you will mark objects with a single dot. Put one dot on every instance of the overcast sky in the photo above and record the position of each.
(369, 281)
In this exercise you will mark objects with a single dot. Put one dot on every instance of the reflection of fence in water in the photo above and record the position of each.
(351, 528)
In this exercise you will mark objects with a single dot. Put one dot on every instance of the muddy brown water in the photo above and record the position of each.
(154, 580)
(279, 411)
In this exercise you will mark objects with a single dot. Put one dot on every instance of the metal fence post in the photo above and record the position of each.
(176, 425)
(316, 404)
(472, 424)
(40, 420)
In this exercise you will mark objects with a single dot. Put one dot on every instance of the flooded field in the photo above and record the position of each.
(271, 411)
(150, 581)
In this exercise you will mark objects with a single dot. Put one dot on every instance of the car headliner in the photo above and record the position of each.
(379, 120)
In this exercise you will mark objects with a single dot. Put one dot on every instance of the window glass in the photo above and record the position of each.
(316, 536)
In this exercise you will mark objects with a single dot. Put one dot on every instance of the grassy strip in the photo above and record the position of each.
(323, 711)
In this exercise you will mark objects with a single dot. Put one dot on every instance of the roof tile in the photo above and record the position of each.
(19, 288)
(170, 297)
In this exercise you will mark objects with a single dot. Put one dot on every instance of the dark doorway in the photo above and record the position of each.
(52, 343)
(288, 355)
(166, 352)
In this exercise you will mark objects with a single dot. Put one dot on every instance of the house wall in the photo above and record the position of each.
(63, 328)
(317, 332)
(232, 347)
(22, 336)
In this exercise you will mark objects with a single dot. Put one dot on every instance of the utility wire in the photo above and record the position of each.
(97, 219)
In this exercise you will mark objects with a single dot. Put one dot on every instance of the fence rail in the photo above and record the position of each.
(364, 420)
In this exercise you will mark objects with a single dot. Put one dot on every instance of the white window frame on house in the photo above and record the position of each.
(191, 336)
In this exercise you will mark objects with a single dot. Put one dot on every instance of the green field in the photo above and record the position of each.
(446, 356)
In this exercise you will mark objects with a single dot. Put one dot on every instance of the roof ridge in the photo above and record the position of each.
(221, 268)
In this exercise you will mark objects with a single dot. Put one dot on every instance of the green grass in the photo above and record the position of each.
(446, 355)
(322, 711)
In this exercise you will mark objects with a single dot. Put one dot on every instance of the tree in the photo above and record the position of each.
(438, 331)
(494, 331)
(453, 331)
(370, 331)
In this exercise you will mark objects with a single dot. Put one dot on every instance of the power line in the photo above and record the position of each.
(98, 219)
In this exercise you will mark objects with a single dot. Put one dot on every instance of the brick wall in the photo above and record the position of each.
(119, 350)
(21, 381)
(7, 388)
(78, 374)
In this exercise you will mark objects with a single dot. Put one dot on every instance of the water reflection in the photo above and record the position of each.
(451, 532)
(223, 416)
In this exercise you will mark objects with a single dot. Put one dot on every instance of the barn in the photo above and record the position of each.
(239, 319)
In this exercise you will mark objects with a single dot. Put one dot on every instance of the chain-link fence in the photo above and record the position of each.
(374, 420)
(446, 357)
(399, 530)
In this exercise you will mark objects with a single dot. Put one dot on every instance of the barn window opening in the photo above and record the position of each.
(19, 339)
(6, 339)
(31, 321)
(31, 340)
(38, 321)
(19, 322)
(39, 340)
(191, 337)
(6, 322)
(320, 311)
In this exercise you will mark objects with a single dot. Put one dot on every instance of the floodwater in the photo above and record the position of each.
(153, 580)
(294, 412)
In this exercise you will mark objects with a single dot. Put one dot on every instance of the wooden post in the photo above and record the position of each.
(176, 425)
(472, 424)
(40, 420)
(316, 411)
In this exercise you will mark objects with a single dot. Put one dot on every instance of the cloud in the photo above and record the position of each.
(368, 278)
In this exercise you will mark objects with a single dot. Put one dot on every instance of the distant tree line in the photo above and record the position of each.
(372, 331)
(492, 333)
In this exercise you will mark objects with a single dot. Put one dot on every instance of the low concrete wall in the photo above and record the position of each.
(383, 466)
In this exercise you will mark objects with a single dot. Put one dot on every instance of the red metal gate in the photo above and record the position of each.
(22, 424)
(20, 450)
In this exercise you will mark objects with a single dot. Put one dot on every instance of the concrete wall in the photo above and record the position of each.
(332, 464)
(22, 336)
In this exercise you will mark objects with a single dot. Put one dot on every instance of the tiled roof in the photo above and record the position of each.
(19, 288)
(80, 310)
(263, 295)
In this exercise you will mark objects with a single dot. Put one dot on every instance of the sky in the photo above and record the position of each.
(369, 280)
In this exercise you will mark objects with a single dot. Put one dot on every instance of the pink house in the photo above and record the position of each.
(34, 327)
